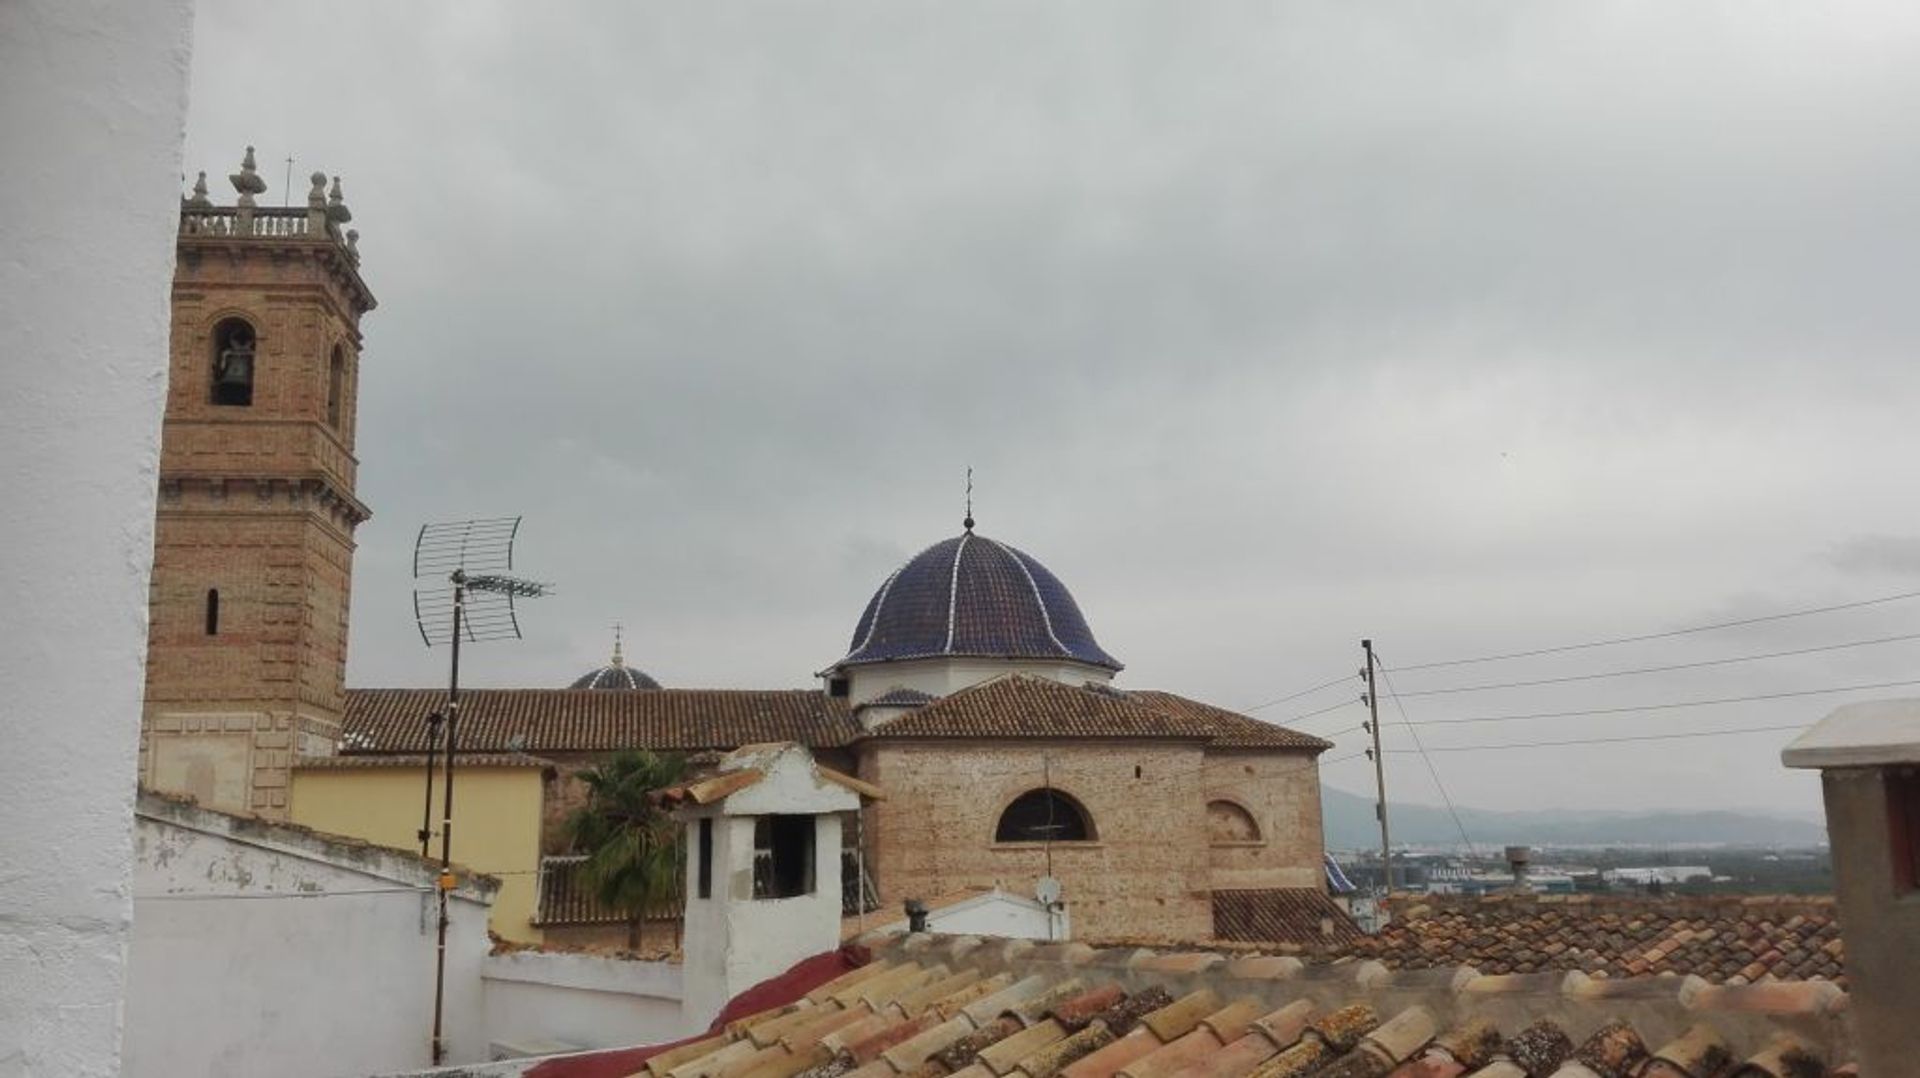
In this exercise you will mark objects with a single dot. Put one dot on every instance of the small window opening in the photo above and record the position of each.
(838, 686)
(213, 611)
(704, 870)
(1044, 815)
(782, 856)
(336, 386)
(1903, 819)
(234, 350)
(1136, 771)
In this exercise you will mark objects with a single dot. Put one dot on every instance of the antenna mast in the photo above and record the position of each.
(476, 604)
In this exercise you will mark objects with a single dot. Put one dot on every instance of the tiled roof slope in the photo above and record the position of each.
(1731, 940)
(1299, 915)
(932, 1006)
(565, 720)
(381, 721)
(1020, 705)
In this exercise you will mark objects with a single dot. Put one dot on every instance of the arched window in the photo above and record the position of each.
(1044, 815)
(1228, 822)
(234, 349)
(213, 611)
(336, 386)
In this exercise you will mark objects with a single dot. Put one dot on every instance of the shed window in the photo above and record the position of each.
(704, 869)
(213, 611)
(782, 856)
(235, 348)
(1903, 818)
(1044, 815)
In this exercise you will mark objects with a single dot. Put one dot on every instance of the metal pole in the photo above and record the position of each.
(446, 816)
(1379, 771)
(433, 761)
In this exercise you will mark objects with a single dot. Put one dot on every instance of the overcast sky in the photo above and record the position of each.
(1470, 327)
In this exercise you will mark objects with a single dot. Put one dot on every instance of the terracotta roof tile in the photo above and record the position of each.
(1019, 705)
(1304, 916)
(565, 720)
(507, 722)
(1717, 938)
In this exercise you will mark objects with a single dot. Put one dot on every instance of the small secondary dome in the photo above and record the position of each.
(976, 597)
(616, 675)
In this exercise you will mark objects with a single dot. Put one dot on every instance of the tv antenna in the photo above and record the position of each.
(475, 604)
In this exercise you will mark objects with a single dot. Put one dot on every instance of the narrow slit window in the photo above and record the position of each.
(213, 611)
(704, 866)
(336, 387)
(1903, 818)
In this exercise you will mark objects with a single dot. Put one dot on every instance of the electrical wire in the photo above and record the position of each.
(1668, 705)
(1607, 740)
(1302, 692)
(1428, 760)
(1320, 711)
(1664, 635)
(1662, 669)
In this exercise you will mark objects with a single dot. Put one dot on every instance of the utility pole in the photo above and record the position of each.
(1379, 768)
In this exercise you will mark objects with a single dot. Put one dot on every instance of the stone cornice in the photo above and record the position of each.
(312, 491)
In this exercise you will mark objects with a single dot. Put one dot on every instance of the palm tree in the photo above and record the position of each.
(633, 861)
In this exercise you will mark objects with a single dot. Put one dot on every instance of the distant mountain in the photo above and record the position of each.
(1350, 825)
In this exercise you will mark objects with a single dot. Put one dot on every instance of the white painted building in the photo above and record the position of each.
(92, 101)
(263, 948)
(763, 868)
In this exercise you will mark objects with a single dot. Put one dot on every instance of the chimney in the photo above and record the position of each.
(1517, 859)
(1868, 756)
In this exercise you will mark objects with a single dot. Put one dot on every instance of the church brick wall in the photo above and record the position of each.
(1281, 792)
(1145, 874)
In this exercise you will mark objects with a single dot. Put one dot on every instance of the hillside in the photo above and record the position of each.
(1350, 825)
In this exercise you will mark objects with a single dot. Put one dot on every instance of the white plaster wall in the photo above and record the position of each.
(733, 941)
(940, 677)
(92, 106)
(250, 958)
(996, 913)
(582, 999)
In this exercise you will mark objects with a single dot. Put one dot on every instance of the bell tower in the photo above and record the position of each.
(253, 545)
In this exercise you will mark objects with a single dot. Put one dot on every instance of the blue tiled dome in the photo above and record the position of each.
(974, 596)
(615, 676)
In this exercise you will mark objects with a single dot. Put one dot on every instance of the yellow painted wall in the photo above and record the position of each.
(496, 823)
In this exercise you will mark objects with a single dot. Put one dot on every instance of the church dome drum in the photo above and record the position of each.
(971, 596)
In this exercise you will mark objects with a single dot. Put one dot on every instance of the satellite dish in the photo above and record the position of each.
(1047, 891)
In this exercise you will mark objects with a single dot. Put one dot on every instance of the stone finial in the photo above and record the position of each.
(199, 199)
(317, 195)
(247, 181)
(353, 242)
(337, 211)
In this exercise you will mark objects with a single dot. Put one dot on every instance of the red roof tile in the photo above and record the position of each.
(1304, 916)
(495, 721)
(1716, 938)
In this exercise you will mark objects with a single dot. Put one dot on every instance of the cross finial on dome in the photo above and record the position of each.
(618, 659)
(968, 521)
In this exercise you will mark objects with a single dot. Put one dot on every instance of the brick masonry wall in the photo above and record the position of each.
(256, 502)
(1281, 792)
(1145, 873)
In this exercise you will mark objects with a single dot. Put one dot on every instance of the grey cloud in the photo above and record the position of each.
(1266, 326)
